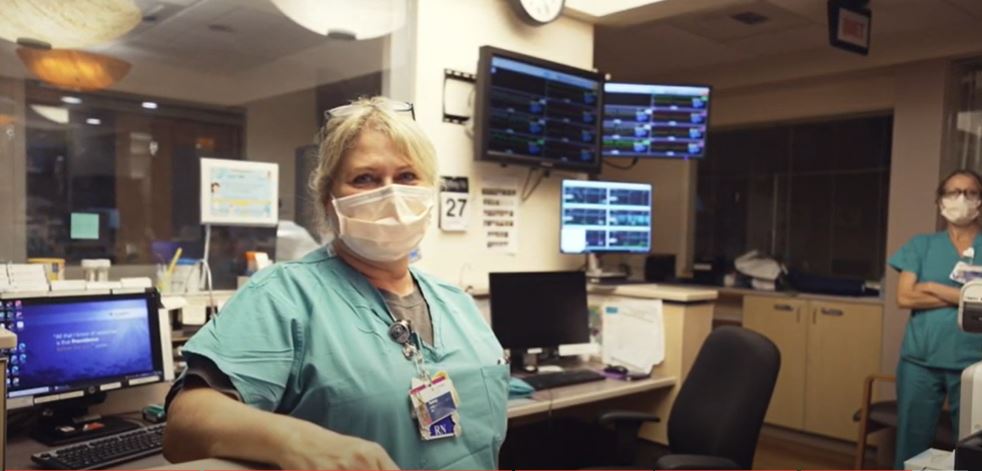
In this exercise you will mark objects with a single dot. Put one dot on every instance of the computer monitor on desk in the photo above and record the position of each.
(532, 310)
(604, 217)
(72, 350)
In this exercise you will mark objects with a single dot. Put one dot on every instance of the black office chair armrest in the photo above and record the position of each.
(695, 462)
(627, 417)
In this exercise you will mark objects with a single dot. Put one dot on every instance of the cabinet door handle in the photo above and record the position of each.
(783, 307)
(814, 315)
(797, 315)
(831, 312)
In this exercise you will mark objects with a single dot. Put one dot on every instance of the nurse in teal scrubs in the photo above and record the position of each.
(303, 368)
(934, 350)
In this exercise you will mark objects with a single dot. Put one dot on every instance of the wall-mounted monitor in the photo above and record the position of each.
(534, 112)
(655, 121)
(605, 217)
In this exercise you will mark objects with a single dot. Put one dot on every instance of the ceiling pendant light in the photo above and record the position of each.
(346, 19)
(74, 70)
(67, 24)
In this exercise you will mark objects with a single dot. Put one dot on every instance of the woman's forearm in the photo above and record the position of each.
(204, 423)
(948, 294)
(918, 299)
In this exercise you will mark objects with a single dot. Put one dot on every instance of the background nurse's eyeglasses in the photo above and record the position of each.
(338, 111)
(393, 105)
(969, 194)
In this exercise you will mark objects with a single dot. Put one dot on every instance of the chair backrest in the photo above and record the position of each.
(721, 405)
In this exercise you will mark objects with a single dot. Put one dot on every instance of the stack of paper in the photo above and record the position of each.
(633, 333)
(23, 277)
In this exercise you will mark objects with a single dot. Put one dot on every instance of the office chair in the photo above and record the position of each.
(876, 416)
(717, 415)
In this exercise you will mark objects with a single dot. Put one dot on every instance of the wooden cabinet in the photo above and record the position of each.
(781, 321)
(827, 349)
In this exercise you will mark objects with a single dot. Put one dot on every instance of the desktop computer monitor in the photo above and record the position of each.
(71, 350)
(539, 309)
(605, 217)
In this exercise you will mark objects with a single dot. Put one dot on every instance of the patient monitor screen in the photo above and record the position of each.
(605, 217)
(655, 121)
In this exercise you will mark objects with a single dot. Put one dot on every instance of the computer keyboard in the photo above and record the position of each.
(542, 381)
(105, 451)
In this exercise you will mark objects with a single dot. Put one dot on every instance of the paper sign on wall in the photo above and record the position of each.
(454, 199)
(239, 192)
(499, 213)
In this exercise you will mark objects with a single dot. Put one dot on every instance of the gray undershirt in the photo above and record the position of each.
(413, 308)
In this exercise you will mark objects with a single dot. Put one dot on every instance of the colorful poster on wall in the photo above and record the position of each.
(499, 213)
(239, 192)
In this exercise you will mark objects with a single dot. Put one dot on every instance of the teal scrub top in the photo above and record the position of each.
(933, 338)
(310, 339)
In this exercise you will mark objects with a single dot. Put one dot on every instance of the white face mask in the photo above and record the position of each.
(385, 224)
(958, 210)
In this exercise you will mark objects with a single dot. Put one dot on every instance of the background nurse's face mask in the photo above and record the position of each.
(385, 224)
(958, 210)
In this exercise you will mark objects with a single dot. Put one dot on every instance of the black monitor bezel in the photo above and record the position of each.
(651, 223)
(709, 115)
(481, 103)
(93, 387)
(586, 308)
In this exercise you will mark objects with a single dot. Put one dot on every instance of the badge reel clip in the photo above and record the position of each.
(401, 332)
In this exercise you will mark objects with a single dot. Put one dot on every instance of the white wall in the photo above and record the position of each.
(915, 168)
(804, 98)
(449, 33)
(672, 210)
(275, 127)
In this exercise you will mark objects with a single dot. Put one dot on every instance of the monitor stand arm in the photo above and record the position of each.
(70, 422)
(594, 271)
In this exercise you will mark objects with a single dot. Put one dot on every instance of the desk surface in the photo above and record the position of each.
(579, 394)
(21, 447)
(673, 293)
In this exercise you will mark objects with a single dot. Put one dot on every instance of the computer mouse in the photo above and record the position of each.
(615, 369)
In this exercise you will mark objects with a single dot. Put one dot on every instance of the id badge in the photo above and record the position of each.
(963, 272)
(434, 405)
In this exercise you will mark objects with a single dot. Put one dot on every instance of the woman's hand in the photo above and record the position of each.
(313, 447)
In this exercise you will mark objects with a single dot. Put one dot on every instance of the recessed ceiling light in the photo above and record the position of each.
(93, 121)
(71, 100)
(150, 105)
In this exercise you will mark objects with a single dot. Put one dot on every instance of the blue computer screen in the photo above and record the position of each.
(65, 345)
(605, 217)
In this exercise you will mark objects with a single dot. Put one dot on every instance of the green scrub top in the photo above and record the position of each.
(933, 338)
(310, 339)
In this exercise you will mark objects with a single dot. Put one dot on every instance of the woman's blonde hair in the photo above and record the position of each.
(342, 130)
